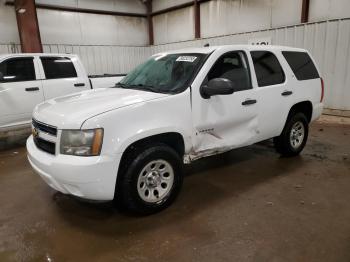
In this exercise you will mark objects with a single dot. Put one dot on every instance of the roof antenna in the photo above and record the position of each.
(206, 45)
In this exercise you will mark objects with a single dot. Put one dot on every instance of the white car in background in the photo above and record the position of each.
(129, 143)
(29, 79)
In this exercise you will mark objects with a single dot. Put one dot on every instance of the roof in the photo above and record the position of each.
(209, 49)
(34, 54)
(200, 50)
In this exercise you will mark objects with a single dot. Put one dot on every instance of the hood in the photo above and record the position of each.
(70, 112)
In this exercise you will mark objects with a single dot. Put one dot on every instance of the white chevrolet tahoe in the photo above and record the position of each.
(129, 143)
(29, 79)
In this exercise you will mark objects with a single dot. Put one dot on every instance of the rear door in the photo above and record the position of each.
(225, 121)
(61, 76)
(20, 90)
(274, 92)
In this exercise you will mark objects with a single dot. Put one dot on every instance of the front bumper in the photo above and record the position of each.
(91, 178)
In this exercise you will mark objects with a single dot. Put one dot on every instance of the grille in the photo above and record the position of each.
(45, 128)
(44, 145)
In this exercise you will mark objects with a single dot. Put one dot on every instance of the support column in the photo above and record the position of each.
(28, 26)
(305, 11)
(150, 22)
(197, 19)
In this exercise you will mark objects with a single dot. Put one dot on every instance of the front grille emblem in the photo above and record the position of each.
(35, 132)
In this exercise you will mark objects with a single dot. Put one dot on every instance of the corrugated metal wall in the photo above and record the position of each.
(328, 41)
(104, 59)
(10, 48)
(73, 28)
(8, 24)
(174, 26)
(134, 6)
(97, 59)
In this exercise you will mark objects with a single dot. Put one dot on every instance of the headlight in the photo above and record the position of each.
(81, 142)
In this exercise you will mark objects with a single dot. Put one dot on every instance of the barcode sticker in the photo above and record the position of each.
(186, 59)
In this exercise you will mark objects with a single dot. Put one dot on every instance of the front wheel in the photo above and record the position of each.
(151, 181)
(294, 136)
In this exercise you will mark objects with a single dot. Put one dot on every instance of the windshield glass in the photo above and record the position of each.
(164, 73)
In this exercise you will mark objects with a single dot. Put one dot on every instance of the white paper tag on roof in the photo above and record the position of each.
(186, 59)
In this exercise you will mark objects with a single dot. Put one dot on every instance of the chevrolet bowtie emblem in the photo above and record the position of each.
(35, 132)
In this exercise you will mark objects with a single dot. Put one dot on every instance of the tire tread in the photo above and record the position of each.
(282, 142)
(127, 195)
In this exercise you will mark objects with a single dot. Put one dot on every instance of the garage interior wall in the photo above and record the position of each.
(105, 43)
(105, 5)
(62, 27)
(222, 18)
(115, 44)
(328, 42)
(9, 37)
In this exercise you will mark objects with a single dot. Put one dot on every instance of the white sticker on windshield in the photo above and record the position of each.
(186, 59)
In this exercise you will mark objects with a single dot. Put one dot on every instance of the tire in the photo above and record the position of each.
(294, 136)
(146, 189)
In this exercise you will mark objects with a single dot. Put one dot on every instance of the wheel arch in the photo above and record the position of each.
(304, 107)
(174, 140)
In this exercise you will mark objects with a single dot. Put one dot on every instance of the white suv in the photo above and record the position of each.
(129, 143)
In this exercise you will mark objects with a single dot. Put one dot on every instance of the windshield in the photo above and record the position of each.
(164, 73)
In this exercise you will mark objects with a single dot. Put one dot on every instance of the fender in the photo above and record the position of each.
(156, 131)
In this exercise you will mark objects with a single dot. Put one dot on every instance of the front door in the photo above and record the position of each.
(225, 122)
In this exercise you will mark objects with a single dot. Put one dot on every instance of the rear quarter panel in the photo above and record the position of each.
(308, 90)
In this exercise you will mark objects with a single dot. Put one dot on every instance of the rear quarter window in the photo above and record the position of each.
(301, 65)
(58, 67)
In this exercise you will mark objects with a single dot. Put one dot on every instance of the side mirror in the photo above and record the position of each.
(217, 86)
(1, 77)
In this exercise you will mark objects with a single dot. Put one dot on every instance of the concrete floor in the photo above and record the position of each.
(246, 205)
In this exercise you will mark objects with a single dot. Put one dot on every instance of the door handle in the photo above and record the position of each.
(248, 102)
(31, 89)
(287, 93)
(79, 84)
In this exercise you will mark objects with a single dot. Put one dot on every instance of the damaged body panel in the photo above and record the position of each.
(222, 123)
(221, 127)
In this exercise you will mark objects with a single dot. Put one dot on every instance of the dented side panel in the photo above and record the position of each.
(221, 123)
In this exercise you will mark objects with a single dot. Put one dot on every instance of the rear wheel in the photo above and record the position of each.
(151, 181)
(294, 136)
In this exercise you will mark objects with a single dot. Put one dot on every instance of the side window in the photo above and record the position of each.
(58, 67)
(17, 69)
(267, 68)
(232, 66)
(301, 64)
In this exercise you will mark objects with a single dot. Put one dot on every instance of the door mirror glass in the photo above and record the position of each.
(217, 86)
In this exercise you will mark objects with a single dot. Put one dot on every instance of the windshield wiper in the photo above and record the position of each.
(120, 85)
(140, 87)
(147, 88)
